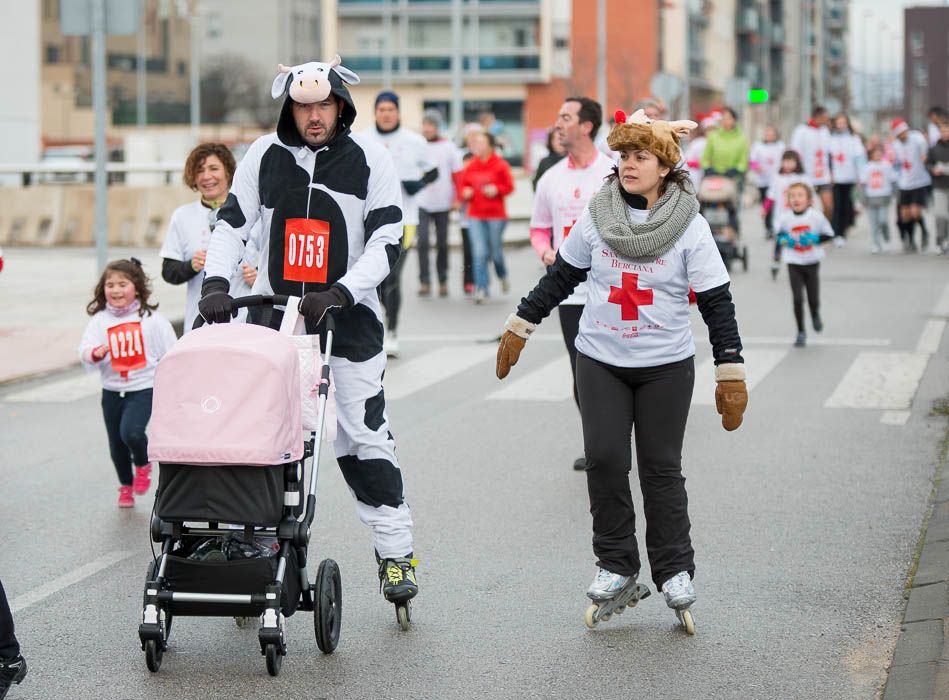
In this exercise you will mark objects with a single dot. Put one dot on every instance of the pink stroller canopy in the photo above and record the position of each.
(227, 394)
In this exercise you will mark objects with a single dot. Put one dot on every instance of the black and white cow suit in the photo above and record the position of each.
(340, 203)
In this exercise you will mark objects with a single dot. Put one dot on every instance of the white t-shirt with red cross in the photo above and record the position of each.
(800, 227)
(813, 145)
(877, 178)
(563, 193)
(911, 161)
(637, 311)
(847, 155)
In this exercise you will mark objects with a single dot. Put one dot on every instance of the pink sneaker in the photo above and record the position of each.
(126, 499)
(142, 480)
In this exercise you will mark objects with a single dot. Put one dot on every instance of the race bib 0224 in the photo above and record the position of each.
(126, 347)
(306, 250)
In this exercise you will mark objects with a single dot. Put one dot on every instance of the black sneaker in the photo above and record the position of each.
(11, 671)
(397, 579)
(800, 341)
(580, 464)
(818, 324)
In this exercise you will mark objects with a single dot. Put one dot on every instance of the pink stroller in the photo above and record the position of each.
(226, 430)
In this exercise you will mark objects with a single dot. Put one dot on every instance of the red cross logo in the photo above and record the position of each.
(630, 297)
(839, 157)
(577, 193)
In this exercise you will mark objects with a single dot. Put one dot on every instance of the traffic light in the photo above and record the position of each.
(757, 96)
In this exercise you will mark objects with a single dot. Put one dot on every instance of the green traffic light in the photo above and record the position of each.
(756, 96)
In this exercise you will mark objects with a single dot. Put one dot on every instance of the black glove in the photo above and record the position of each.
(413, 186)
(314, 305)
(216, 305)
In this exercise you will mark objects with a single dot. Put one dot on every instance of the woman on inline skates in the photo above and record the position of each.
(641, 243)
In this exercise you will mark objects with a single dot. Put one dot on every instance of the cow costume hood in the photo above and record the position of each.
(308, 83)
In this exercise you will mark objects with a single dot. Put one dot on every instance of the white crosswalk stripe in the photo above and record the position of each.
(406, 378)
(880, 380)
(70, 388)
(552, 382)
(758, 364)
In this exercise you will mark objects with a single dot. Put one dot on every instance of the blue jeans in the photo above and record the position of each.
(486, 240)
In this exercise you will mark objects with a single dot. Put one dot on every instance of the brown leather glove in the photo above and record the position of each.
(516, 333)
(731, 395)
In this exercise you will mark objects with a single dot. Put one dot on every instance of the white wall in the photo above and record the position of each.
(20, 76)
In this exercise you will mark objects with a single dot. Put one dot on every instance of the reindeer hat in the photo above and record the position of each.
(640, 133)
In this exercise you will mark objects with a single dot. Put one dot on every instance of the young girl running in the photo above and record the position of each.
(775, 202)
(125, 339)
(801, 231)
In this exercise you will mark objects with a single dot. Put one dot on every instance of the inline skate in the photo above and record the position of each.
(399, 585)
(612, 594)
(680, 596)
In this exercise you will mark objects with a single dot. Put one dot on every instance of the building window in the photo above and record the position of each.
(53, 53)
(182, 67)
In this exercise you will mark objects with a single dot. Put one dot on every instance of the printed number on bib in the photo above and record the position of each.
(306, 250)
(876, 180)
(127, 347)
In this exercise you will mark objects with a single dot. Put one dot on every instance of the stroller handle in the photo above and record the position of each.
(264, 300)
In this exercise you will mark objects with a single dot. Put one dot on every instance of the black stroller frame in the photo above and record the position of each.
(286, 592)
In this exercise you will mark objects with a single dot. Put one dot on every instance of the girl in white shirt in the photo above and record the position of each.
(847, 157)
(876, 181)
(124, 340)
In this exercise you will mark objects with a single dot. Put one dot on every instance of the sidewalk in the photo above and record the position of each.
(45, 292)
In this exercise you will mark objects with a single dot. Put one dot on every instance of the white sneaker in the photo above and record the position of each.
(480, 296)
(391, 345)
(678, 591)
(839, 241)
(606, 584)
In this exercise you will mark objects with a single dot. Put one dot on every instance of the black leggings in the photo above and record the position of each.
(391, 293)
(804, 277)
(9, 647)
(570, 326)
(467, 273)
(126, 416)
(843, 216)
(652, 402)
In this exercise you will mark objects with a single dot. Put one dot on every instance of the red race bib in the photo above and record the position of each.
(127, 347)
(876, 180)
(306, 245)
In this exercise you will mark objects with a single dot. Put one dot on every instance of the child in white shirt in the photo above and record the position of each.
(124, 340)
(876, 181)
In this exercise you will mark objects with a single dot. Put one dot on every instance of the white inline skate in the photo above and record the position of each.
(680, 596)
(612, 593)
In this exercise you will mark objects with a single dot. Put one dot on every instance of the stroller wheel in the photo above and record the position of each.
(153, 655)
(274, 659)
(327, 606)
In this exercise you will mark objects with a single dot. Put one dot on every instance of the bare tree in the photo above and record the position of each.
(233, 90)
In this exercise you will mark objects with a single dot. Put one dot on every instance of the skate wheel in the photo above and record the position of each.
(404, 615)
(153, 655)
(620, 610)
(274, 659)
(590, 616)
(606, 617)
(688, 622)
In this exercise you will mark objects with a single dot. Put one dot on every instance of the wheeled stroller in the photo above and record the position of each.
(227, 433)
(718, 202)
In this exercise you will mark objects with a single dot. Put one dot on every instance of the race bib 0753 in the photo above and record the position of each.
(306, 250)
(126, 347)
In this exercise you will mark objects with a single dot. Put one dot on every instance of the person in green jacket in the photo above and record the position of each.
(726, 150)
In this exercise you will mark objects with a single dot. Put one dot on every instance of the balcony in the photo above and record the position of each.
(747, 21)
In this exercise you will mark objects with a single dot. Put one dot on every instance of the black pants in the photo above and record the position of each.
(570, 326)
(9, 647)
(763, 195)
(653, 401)
(804, 277)
(440, 220)
(391, 294)
(126, 416)
(467, 272)
(843, 216)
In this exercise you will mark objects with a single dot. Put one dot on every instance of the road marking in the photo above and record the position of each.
(931, 335)
(552, 382)
(59, 391)
(405, 379)
(787, 340)
(880, 380)
(758, 364)
(93, 567)
(485, 338)
(942, 307)
(895, 417)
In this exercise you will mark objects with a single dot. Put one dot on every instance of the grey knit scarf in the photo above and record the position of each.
(667, 220)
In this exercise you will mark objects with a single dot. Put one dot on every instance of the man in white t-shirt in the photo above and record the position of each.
(563, 192)
(914, 181)
(812, 142)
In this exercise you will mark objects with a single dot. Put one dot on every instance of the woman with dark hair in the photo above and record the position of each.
(555, 154)
(847, 158)
(209, 170)
(642, 246)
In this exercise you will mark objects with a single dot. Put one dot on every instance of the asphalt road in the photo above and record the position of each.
(804, 521)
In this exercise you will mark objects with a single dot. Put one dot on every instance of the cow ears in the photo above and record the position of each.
(279, 86)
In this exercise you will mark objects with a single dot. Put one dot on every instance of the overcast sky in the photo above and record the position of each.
(882, 23)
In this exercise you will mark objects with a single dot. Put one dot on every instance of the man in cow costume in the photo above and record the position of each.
(331, 217)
